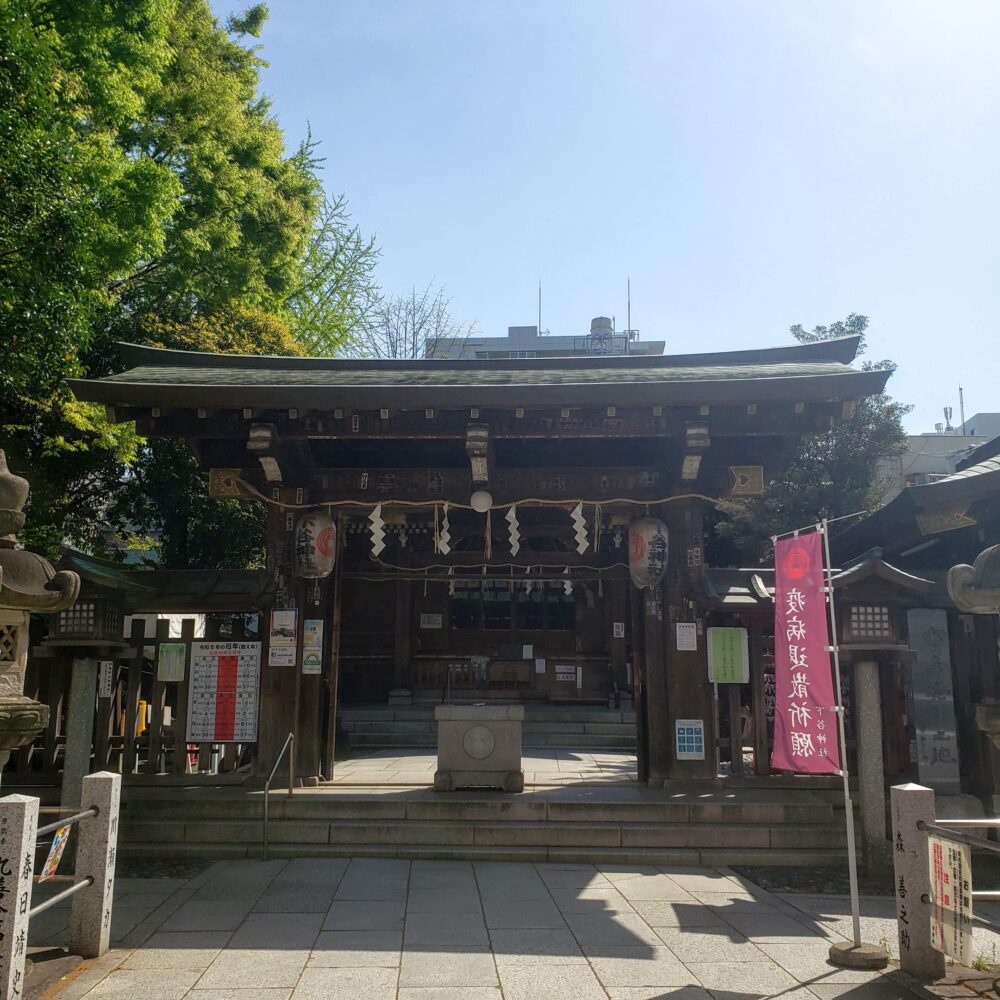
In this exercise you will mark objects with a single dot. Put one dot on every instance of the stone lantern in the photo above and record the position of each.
(976, 591)
(28, 583)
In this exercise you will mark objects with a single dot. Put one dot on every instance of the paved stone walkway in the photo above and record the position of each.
(541, 767)
(369, 929)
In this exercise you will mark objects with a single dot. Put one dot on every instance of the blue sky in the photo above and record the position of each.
(749, 165)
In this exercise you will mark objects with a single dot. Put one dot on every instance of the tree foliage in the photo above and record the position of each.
(148, 196)
(830, 475)
(400, 326)
(337, 293)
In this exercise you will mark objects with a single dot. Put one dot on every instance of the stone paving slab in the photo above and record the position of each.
(371, 929)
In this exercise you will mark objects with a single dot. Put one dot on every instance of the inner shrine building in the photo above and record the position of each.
(472, 517)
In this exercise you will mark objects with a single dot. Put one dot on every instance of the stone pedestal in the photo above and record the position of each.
(479, 746)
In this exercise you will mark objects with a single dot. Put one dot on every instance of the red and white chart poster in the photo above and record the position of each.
(225, 680)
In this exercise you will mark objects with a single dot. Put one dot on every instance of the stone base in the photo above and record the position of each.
(21, 720)
(400, 696)
(863, 956)
(479, 746)
(506, 781)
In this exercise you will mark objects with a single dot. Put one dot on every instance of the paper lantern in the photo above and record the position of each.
(315, 545)
(647, 551)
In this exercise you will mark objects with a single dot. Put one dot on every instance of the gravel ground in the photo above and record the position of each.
(834, 880)
(136, 866)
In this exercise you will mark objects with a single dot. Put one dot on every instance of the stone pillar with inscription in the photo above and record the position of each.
(28, 583)
(18, 833)
(96, 854)
(871, 766)
(912, 805)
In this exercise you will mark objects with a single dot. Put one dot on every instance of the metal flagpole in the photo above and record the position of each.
(852, 851)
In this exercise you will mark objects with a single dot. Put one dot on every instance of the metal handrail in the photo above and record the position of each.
(85, 883)
(962, 838)
(290, 741)
(68, 821)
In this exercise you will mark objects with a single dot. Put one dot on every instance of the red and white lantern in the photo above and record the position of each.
(315, 545)
(648, 548)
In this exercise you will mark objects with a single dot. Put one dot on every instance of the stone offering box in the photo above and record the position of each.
(479, 746)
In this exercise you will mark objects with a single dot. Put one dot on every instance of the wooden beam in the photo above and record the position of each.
(770, 418)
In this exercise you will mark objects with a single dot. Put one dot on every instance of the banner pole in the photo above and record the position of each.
(852, 851)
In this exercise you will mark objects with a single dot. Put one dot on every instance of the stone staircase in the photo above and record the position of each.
(709, 825)
(580, 727)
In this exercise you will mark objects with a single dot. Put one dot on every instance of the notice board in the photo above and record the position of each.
(225, 682)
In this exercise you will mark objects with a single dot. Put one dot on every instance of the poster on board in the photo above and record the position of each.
(283, 637)
(170, 661)
(728, 656)
(312, 646)
(225, 681)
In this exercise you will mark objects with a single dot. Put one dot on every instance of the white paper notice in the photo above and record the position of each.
(687, 637)
(527, 651)
(539, 664)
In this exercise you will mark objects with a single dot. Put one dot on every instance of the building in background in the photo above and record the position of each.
(527, 342)
(987, 424)
(928, 458)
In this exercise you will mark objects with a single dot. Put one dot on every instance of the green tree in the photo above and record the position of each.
(337, 294)
(147, 197)
(77, 214)
(830, 475)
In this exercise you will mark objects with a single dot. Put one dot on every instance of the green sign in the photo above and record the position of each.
(728, 656)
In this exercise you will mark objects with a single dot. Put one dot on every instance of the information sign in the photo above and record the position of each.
(687, 637)
(225, 677)
(312, 646)
(951, 898)
(690, 739)
(728, 656)
(170, 661)
(283, 637)
(106, 679)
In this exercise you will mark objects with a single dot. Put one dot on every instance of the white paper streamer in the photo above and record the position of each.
(377, 527)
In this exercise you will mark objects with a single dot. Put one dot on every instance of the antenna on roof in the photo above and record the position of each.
(628, 299)
(539, 307)
(961, 408)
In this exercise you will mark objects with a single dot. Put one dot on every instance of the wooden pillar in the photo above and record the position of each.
(158, 700)
(132, 693)
(277, 684)
(333, 645)
(689, 693)
(637, 633)
(657, 714)
(180, 758)
(404, 625)
(618, 599)
(758, 702)
(735, 729)
(314, 596)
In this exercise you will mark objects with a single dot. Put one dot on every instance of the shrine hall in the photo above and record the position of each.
(459, 529)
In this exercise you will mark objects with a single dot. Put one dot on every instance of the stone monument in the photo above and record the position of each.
(479, 746)
(976, 591)
(28, 583)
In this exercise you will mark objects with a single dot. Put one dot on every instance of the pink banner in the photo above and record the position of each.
(805, 719)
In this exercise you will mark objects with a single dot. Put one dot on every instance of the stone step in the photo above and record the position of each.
(486, 834)
(796, 811)
(806, 858)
